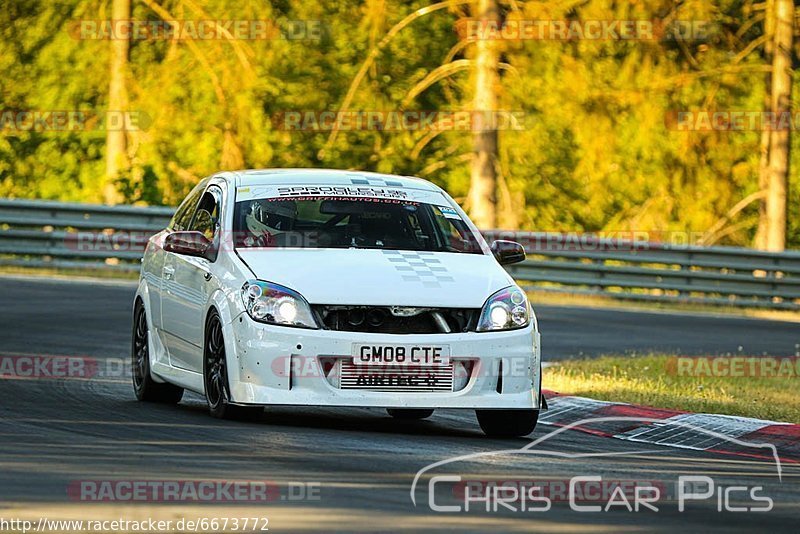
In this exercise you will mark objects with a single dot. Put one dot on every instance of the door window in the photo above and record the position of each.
(207, 216)
(186, 210)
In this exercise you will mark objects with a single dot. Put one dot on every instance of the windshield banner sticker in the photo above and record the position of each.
(354, 192)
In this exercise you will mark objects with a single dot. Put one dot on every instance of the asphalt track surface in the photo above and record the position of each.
(56, 432)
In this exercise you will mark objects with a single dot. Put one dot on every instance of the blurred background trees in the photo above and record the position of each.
(595, 152)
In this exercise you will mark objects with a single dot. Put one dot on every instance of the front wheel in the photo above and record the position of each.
(144, 386)
(400, 413)
(215, 375)
(507, 423)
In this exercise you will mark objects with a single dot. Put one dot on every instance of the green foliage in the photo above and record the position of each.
(595, 153)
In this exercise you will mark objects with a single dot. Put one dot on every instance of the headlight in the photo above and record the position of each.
(507, 309)
(274, 304)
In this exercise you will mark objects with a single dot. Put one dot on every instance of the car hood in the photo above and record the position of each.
(381, 277)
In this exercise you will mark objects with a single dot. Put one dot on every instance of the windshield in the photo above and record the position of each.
(336, 222)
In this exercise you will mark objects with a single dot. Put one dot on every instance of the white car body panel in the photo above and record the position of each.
(280, 365)
(371, 277)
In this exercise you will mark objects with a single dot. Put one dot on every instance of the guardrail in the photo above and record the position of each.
(90, 237)
(63, 235)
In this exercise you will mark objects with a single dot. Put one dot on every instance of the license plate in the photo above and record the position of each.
(411, 355)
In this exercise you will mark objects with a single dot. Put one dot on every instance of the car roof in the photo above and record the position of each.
(328, 177)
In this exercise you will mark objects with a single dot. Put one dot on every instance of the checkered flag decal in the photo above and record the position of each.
(421, 267)
(375, 182)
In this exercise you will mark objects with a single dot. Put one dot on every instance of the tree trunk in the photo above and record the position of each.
(116, 141)
(760, 240)
(777, 171)
(482, 196)
(232, 158)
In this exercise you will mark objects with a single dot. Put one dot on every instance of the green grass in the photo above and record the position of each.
(653, 381)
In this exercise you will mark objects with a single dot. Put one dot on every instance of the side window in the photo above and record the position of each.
(207, 214)
(185, 211)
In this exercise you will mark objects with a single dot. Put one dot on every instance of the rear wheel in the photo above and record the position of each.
(144, 386)
(215, 373)
(507, 423)
(399, 413)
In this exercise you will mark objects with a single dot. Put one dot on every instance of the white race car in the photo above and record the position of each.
(334, 288)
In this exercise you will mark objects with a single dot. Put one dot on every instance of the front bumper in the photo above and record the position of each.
(275, 365)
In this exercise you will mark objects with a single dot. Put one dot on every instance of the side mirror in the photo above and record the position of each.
(188, 244)
(507, 252)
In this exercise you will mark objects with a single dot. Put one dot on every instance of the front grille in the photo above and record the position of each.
(397, 379)
(387, 320)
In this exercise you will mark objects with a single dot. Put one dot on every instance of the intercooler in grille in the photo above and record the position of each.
(397, 379)
(389, 320)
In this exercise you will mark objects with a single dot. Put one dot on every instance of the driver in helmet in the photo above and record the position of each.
(267, 220)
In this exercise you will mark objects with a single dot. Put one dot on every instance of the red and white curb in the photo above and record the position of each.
(672, 428)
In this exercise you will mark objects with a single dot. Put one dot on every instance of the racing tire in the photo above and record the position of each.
(215, 376)
(507, 423)
(145, 388)
(409, 414)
